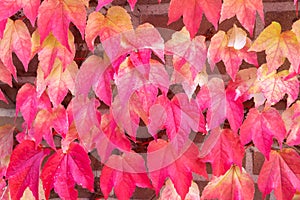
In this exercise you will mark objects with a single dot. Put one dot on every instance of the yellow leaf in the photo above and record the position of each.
(278, 46)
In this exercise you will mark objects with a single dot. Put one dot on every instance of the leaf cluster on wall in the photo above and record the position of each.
(103, 103)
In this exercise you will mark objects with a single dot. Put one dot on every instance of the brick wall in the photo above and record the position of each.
(282, 11)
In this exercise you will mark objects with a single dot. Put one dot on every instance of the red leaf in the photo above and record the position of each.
(281, 173)
(234, 110)
(261, 127)
(183, 115)
(235, 184)
(71, 135)
(164, 161)
(119, 39)
(222, 148)
(30, 8)
(55, 16)
(216, 112)
(103, 88)
(9, 8)
(245, 12)
(16, 39)
(192, 11)
(23, 169)
(62, 170)
(124, 173)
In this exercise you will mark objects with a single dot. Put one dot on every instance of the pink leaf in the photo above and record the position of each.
(190, 51)
(30, 8)
(169, 192)
(223, 105)
(87, 120)
(110, 138)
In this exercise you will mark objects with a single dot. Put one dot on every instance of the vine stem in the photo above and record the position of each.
(293, 147)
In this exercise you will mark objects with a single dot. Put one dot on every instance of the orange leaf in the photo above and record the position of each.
(7, 141)
(58, 81)
(275, 85)
(291, 118)
(16, 39)
(235, 184)
(117, 20)
(51, 49)
(5, 75)
(232, 49)
(278, 46)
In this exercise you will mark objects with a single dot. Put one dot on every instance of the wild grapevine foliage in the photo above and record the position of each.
(132, 79)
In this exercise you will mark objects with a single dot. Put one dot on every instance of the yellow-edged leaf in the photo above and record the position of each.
(278, 46)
